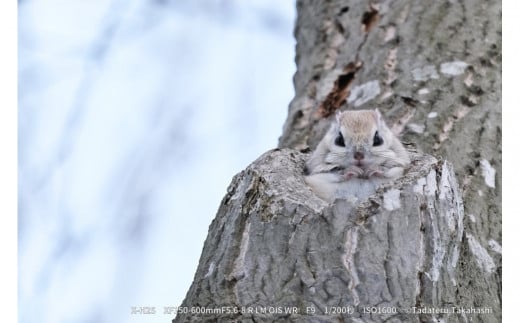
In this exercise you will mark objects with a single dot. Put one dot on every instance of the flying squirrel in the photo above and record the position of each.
(357, 154)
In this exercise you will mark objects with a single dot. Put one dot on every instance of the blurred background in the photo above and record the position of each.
(133, 117)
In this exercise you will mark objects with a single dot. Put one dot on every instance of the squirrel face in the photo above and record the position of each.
(360, 138)
(358, 150)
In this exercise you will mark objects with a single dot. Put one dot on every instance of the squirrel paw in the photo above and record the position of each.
(374, 172)
(352, 172)
(393, 172)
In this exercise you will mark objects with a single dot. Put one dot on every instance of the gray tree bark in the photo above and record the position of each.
(429, 242)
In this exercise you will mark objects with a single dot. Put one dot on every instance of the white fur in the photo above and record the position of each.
(333, 171)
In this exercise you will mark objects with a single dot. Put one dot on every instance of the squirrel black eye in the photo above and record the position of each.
(339, 140)
(378, 141)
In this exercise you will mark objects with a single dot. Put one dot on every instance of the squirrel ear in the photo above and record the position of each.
(379, 118)
(338, 116)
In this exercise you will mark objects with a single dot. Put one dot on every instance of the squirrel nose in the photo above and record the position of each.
(359, 155)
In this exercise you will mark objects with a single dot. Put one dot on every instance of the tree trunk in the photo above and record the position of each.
(422, 244)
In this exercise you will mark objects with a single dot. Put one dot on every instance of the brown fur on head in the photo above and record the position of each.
(358, 133)
(358, 125)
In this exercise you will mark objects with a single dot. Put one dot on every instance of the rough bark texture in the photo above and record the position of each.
(274, 246)
(434, 70)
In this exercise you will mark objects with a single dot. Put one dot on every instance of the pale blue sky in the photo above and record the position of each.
(133, 118)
